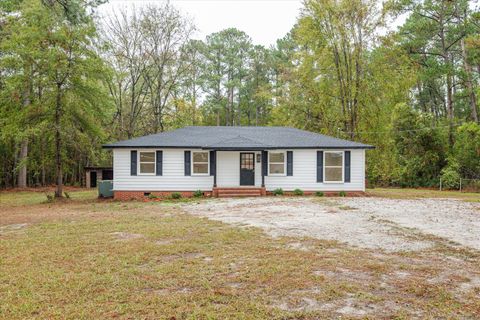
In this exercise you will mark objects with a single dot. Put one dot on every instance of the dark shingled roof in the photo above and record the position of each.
(238, 138)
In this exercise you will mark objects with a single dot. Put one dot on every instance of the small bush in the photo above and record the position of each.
(319, 194)
(450, 176)
(176, 195)
(298, 192)
(278, 192)
(198, 194)
(152, 196)
(50, 197)
(342, 193)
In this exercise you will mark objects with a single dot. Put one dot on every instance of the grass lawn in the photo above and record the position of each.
(422, 193)
(85, 258)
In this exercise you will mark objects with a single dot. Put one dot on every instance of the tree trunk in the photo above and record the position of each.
(446, 59)
(22, 172)
(58, 145)
(469, 83)
(450, 108)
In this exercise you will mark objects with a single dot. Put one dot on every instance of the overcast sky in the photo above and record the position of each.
(263, 20)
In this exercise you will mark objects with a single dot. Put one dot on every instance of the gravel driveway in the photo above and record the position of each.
(377, 223)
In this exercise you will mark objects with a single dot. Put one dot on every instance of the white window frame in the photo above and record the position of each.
(284, 174)
(208, 163)
(325, 166)
(139, 172)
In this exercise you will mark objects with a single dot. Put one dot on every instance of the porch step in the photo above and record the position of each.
(237, 195)
(238, 192)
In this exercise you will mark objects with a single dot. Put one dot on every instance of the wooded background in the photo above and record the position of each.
(70, 82)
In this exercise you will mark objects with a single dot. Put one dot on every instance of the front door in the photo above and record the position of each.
(247, 169)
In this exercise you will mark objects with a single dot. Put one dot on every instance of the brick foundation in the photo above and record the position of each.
(140, 195)
(325, 193)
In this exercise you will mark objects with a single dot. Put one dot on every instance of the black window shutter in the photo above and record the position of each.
(319, 166)
(133, 162)
(347, 166)
(213, 163)
(159, 163)
(289, 163)
(265, 163)
(187, 163)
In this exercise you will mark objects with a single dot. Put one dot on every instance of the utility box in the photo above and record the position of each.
(105, 189)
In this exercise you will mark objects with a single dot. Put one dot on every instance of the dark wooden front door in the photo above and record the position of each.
(247, 169)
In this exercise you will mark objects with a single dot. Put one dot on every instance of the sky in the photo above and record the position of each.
(264, 21)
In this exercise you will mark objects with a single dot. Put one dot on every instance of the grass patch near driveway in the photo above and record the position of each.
(22, 198)
(82, 259)
(397, 193)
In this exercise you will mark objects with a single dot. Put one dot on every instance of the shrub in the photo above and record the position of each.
(176, 195)
(342, 193)
(278, 192)
(152, 196)
(466, 151)
(319, 194)
(298, 192)
(450, 176)
(50, 197)
(198, 194)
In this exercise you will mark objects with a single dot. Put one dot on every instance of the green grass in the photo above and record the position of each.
(87, 259)
(395, 193)
(21, 198)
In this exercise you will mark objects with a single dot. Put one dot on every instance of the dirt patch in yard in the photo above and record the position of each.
(374, 223)
(122, 236)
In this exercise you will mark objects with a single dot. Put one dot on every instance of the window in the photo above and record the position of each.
(333, 166)
(276, 163)
(200, 163)
(147, 162)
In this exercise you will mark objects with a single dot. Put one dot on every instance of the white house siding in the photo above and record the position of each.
(228, 169)
(228, 173)
(173, 178)
(305, 174)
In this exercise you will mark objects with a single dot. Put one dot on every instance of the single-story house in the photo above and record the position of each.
(229, 161)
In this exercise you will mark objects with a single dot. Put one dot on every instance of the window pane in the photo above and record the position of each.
(333, 174)
(333, 159)
(200, 168)
(277, 157)
(277, 168)
(147, 168)
(200, 157)
(147, 156)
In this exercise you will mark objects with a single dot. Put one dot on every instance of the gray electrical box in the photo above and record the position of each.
(105, 189)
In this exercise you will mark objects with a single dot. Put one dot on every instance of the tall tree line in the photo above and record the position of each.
(70, 82)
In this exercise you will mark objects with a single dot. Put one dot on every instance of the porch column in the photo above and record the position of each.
(214, 167)
(264, 167)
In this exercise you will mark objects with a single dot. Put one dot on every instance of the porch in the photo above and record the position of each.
(238, 168)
